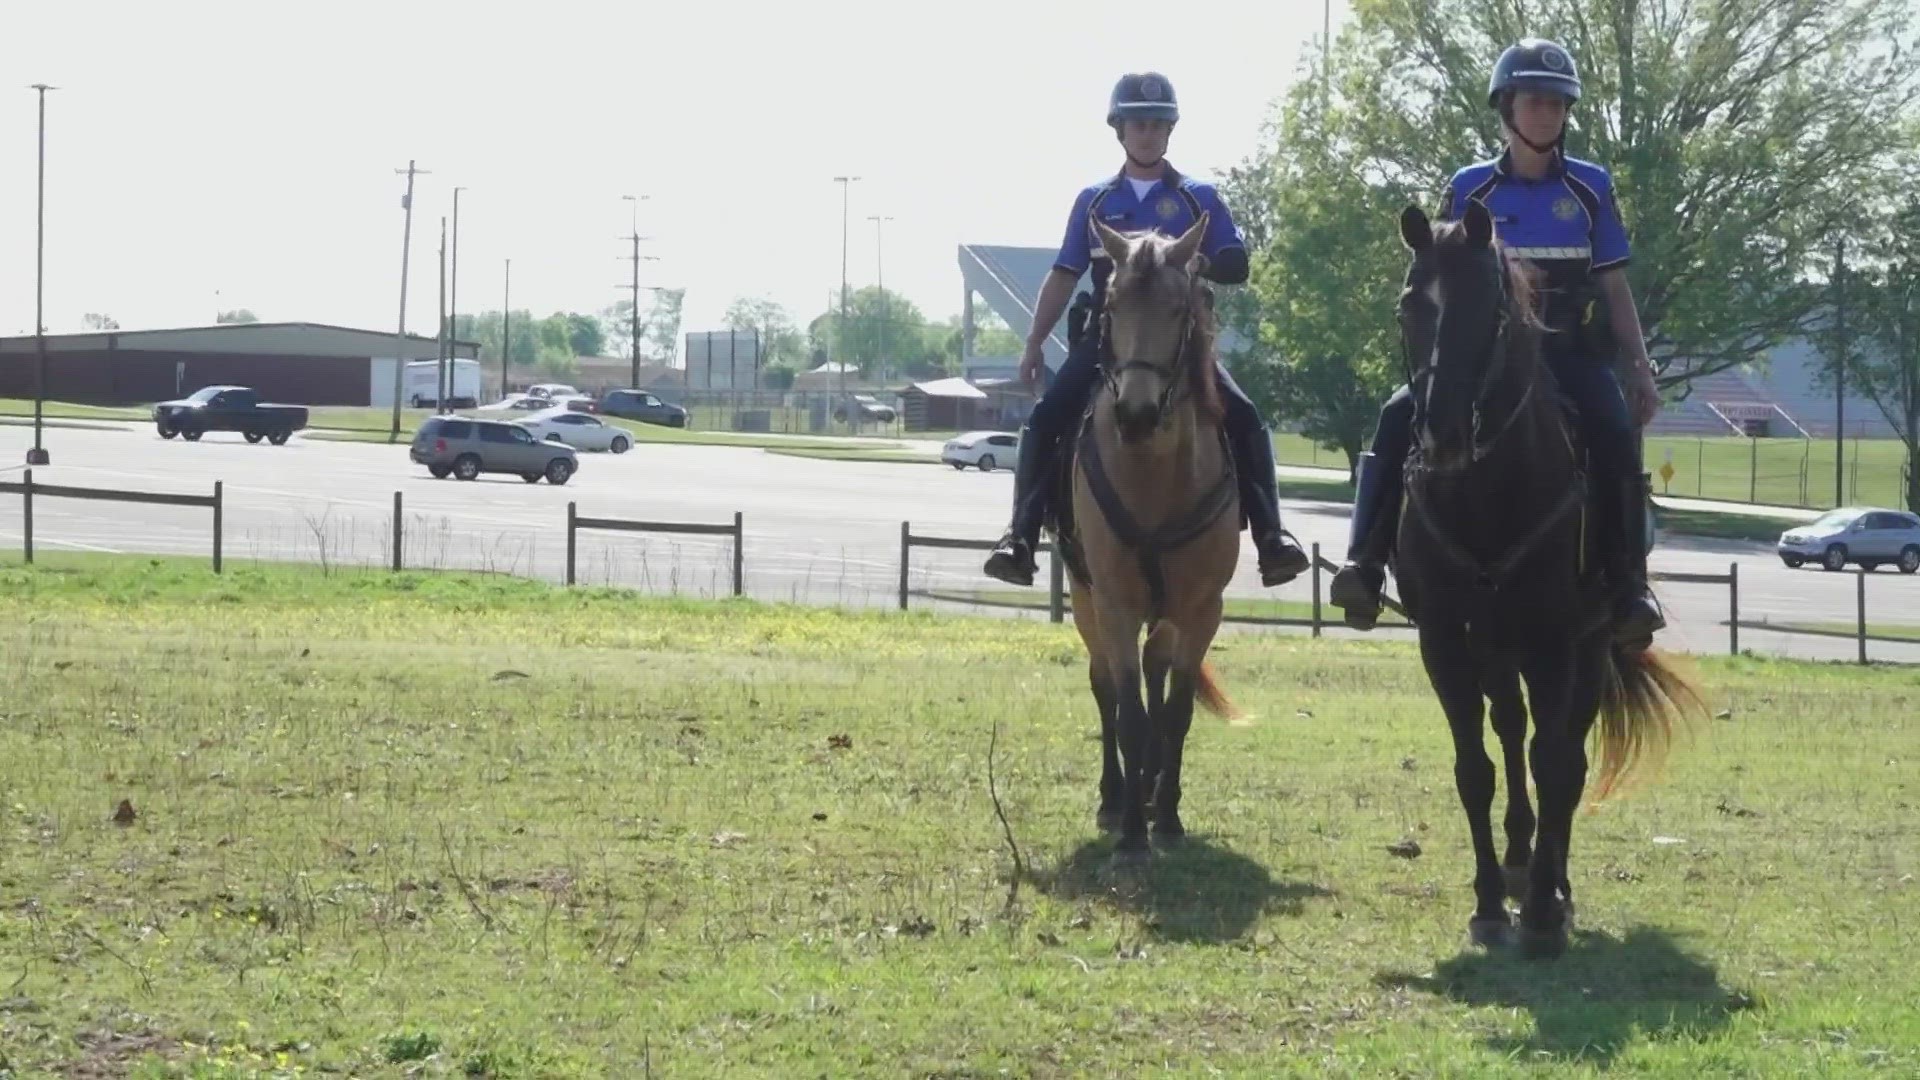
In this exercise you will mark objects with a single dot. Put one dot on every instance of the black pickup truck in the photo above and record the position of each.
(228, 408)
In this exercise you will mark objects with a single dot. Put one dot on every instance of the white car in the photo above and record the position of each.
(984, 450)
(582, 431)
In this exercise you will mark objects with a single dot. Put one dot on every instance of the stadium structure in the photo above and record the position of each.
(1779, 396)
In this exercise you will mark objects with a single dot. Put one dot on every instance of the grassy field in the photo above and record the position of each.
(1237, 607)
(411, 824)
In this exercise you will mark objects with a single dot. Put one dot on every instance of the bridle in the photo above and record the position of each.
(1496, 349)
(1169, 375)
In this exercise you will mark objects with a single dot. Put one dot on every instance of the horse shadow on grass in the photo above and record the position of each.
(1604, 995)
(1193, 891)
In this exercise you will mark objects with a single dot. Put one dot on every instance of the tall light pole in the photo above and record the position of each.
(38, 454)
(880, 282)
(453, 304)
(406, 249)
(846, 186)
(1840, 372)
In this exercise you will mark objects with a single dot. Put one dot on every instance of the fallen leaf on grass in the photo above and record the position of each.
(509, 673)
(839, 742)
(727, 838)
(123, 815)
(1405, 849)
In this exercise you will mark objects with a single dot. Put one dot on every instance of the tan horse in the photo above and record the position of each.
(1155, 528)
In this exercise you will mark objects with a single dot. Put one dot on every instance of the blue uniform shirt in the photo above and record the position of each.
(1171, 206)
(1567, 223)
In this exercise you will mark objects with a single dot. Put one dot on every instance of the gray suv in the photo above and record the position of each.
(465, 448)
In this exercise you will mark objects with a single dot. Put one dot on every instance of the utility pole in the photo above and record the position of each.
(406, 249)
(506, 341)
(1840, 372)
(880, 282)
(846, 185)
(38, 455)
(440, 339)
(633, 315)
(453, 303)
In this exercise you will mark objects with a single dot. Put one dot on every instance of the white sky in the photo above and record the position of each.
(248, 148)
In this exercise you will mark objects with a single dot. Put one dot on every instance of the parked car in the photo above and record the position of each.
(984, 450)
(578, 430)
(228, 408)
(1864, 536)
(465, 447)
(866, 409)
(643, 406)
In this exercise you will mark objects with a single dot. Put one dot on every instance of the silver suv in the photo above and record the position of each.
(465, 448)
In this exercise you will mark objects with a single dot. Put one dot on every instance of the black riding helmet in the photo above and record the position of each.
(1532, 64)
(1143, 95)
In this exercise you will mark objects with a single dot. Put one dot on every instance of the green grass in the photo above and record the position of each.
(1882, 631)
(478, 825)
(69, 410)
(1237, 607)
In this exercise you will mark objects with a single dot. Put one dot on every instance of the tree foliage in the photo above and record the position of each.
(1740, 134)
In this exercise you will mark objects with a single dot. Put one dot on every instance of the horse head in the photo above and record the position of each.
(1459, 310)
(1157, 326)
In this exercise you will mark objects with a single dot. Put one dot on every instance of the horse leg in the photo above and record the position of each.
(1159, 658)
(1187, 654)
(1559, 758)
(1582, 710)
(1456, 681)
(1509, 715)
(1120, 640)
(1112, 793)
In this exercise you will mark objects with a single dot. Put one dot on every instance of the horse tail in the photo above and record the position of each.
(1645, 697)
(1207, 691)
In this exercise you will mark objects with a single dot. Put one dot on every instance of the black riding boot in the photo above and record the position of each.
(1376, 517)
(1636, 613)
(1012, 559)
(1281, 559)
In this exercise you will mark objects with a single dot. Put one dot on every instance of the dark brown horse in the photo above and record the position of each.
(1492, 560)
(1152, 528)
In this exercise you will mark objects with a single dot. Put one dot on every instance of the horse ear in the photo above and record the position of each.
(1113, 242)
(1479, 224)
(1187, 248)
(1415, 230)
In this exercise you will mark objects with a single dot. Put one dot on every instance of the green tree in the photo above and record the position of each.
(1882, 346)
(1320, 346)
(659, 326)
(585, 335)
(882, 329)
(238, 315)
(1737, 131)
(95, 321)
(780, 341)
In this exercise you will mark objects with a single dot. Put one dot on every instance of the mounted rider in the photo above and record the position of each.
(1559, 213)
(1148, 193)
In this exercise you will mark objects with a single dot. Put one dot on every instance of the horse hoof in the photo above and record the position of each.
(1543, 944)
(1516, 878)
(1169, 831)
(1108, 820)
(1491, 933)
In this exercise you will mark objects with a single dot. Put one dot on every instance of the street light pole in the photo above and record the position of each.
(506, 317)
(38, 455)
(880, 282)
(846, 186)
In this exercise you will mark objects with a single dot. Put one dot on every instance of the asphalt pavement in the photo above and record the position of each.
(817, 531)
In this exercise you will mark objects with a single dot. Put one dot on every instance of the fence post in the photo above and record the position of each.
(739, 556)
(1733, 609)
(572, 516)
(906, 541)
(1316, 589)
(1861, 606)
(1753, 469)
(219, 524)
(26, 520)
(1056, 584)
(398, 534)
